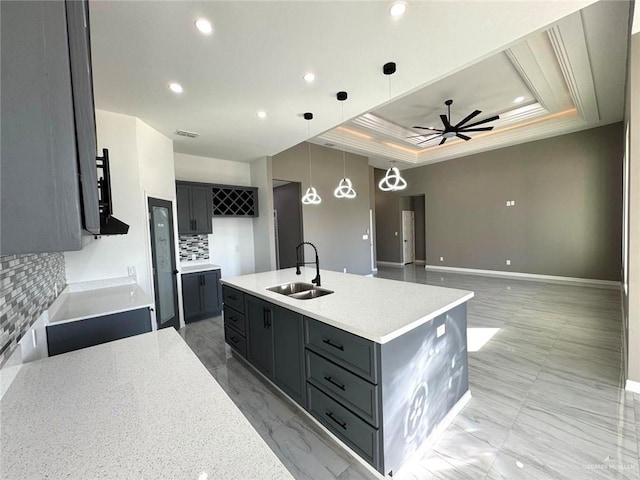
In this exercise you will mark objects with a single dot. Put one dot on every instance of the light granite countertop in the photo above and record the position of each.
(373, 308)
(95, 299)
(141, 407)
(197, 266)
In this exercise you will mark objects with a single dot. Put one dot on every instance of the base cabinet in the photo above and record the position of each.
(201, 295)
(70, 336)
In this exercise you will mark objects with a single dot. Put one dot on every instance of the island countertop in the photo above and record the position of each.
(141, 407)
(373, 308)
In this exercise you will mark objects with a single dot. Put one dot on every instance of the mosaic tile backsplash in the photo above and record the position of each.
(27, 288)
(194, 244)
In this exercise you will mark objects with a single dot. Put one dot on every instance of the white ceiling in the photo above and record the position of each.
(259, 51)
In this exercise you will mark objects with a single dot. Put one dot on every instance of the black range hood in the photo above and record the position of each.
(109, 225)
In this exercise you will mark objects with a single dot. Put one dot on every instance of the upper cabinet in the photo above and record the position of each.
(48, 186)
(194, 208)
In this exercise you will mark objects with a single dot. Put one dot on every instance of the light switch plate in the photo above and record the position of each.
(365, 237)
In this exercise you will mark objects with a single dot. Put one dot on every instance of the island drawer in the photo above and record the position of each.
(234, 298)
(355, 432)
(358, 395)
(350, 351)
(235, 341)
(235, 320)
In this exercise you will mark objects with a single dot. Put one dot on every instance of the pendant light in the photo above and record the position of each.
(345, 187)
(392, 180)
(311, 197)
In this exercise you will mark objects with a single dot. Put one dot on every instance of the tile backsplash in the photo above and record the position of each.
(194, 244)
(28, 286)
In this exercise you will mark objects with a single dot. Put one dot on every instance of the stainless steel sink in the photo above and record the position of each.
(300, 290)
(291, 288)
(313, 293)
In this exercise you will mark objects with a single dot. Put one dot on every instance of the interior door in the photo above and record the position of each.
(408, 237)
(164, 263)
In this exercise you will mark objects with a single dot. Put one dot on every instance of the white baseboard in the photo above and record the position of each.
(390, 264)
(585, 282)
(632, 386)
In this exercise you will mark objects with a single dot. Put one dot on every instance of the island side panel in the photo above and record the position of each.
(424, 374)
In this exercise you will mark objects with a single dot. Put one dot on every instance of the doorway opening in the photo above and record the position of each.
(163, 256)
(413, 229)
(287, 217)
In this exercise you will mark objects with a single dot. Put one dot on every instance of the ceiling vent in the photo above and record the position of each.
(188, 134)
(330, 145)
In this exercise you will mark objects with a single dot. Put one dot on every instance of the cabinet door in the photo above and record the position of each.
(201, 209)
(183, 204)
(288, 353)
(259, 339)
(211, 292)
(191, 295)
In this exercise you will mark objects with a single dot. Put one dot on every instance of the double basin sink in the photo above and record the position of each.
(300, 290)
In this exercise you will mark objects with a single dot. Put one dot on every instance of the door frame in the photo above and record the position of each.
(161, 196)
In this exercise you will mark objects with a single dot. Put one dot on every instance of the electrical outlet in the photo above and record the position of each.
(508, 203)
(396, 234)
(131, 271)
(513, 203)
(193, 256)
(365, 237)
(442, 259)
(344, 270)
(440, 330)
(508, 262)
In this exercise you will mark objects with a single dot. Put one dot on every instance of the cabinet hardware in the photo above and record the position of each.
(331, 344)
(268, 317)
(232, 297)
(339, 385)
(234, 340)
(195, 224)
(330, 415)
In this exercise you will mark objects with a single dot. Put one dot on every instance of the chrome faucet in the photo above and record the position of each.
(315, 281)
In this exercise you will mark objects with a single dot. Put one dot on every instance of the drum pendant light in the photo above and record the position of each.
(311, 196)
(392, 181)
(345, 187)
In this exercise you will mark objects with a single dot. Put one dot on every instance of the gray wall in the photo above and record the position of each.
(27, 288)
(336, 225)
(419, 213)
(263, 230)
(286, 201)
(566, 221)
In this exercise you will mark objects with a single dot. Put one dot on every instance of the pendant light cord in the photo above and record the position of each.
(309, 148)
(344, 160)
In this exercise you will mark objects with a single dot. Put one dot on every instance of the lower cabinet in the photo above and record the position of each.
(66, 337)
(201, 295)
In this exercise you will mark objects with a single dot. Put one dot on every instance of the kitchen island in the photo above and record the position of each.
(141, 407)
(380, 364)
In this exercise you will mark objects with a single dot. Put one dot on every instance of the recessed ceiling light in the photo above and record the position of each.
(309, 77)
(518, 100)
(397, 9)
(204, 26)
(262, 114)
(175, 87)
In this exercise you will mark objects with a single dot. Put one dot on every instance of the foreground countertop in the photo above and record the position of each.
(95, 299)
(141, 407)
(196, 266)
(373, 308)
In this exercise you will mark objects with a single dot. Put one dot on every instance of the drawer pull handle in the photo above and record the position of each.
(342, 424)
(331, 344)
(234, 340)
(232, 297)
(331, 380)
(233, 319)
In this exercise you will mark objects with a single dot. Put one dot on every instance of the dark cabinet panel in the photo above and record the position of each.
(66, 337)
(235, 340)
(201, 295)
(195, 208)
(259, 343)
(233, 298)
(288, 353)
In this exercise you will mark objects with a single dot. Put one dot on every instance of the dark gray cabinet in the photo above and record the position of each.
(70, 336)
(201, 295)
(195, 208)
(275, 347)
(48, 127)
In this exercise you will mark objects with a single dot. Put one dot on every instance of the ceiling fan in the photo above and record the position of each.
(457, 130)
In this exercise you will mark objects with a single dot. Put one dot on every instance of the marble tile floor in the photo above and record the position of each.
(548, 399)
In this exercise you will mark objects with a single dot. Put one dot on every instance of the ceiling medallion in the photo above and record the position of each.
(311, 197)
(392, 181)
(345, 189)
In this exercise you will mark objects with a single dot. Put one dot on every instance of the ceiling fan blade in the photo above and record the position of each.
(431, 137)
(473, 114)
(464, 137)
(445, 122)
(429, 128)
(490, 119)
(481, 129)
(435, 134)
(443, 140)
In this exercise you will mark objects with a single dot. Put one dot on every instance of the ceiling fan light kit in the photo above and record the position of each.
(457, 130)
(345, 186)
(311, 196)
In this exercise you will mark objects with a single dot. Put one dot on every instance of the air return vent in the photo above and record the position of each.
(330, 145)
(186, 133)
